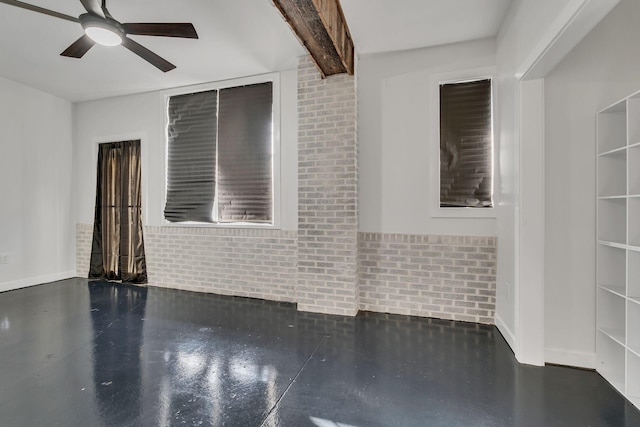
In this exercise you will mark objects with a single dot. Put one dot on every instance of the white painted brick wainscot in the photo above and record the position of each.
(448, 277)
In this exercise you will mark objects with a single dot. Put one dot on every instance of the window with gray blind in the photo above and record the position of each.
(466, 144)
(219, 155)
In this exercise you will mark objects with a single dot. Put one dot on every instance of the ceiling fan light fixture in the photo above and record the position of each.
(101, 31)
(103, 36)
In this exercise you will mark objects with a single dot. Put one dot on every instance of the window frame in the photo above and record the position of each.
(274, 78)
(435, 80)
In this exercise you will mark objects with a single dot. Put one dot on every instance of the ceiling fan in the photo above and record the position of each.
(100, 27)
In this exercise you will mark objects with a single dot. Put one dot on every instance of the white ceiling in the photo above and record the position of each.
(237, 38)
(391, 25)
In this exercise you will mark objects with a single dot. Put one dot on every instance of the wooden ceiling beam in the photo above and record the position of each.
(322, 29)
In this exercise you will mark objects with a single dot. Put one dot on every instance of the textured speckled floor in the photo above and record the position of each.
(76, 353)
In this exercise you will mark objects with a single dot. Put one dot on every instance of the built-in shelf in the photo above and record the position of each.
(613, 151)
(633, 376)
(611, 268)
(611, 314)
(633, 166)
(633, 125)
(612, 168)
(633, 274)
(612, 197)
(610, 360)
(616, 290)
(612, 214)
(618, 246)
(633, 233)
(612, 128)
(633, 318)
(612, 244)
(615, 334)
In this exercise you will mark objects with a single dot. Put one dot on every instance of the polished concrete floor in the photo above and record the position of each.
(79, 353)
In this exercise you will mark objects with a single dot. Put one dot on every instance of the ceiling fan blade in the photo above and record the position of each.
(93, 7)
(144, 53)
(183, 30)
(39, 9)
(79, 47)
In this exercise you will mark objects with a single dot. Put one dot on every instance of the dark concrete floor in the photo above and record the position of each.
(76, 353)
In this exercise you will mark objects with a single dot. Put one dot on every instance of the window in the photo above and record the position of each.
(466, 144)
(220, 156)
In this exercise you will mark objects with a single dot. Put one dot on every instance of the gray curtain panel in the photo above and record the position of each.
(117, 251)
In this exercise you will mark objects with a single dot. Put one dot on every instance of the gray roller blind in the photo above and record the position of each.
(191, 157)
(244, 153)
(466, 144)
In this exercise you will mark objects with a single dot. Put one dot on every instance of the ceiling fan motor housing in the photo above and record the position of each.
(105, 31)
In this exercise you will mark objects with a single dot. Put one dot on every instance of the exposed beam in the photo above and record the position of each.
(321, 27)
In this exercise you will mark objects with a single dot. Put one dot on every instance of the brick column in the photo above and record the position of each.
(327, 193)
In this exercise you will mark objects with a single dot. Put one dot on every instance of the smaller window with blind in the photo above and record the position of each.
(220, 156)
(466, 144)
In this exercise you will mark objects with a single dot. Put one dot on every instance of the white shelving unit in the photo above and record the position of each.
(618, 246)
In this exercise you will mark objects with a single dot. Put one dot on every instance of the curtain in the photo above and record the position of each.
(117, 250)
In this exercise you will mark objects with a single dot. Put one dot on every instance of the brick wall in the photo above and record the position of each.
(84, 236)
(243, 262)
(326, 266)
(448, 277)
(327, 192)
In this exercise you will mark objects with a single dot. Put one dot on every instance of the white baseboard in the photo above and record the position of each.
(578, 359)
(556, 356)
(506, 332)
(32, 281)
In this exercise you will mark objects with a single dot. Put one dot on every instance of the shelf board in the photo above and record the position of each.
(615, 245)
(615, 334)
(635, 144)
(616, 290)
(616, 107)
(635, 350)
(633, 196)
(635, 300)
(632, 248)
(612, 151)
(621, 196)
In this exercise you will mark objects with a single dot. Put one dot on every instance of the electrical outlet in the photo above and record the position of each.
(4, 259)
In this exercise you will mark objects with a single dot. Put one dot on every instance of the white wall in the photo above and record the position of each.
(535, 36)
(37, 219)
(143, 116)
(525, 27)
(394, 138)
(603, 68)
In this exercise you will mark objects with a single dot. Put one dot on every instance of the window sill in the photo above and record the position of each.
(235, 225)
(438, 212)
